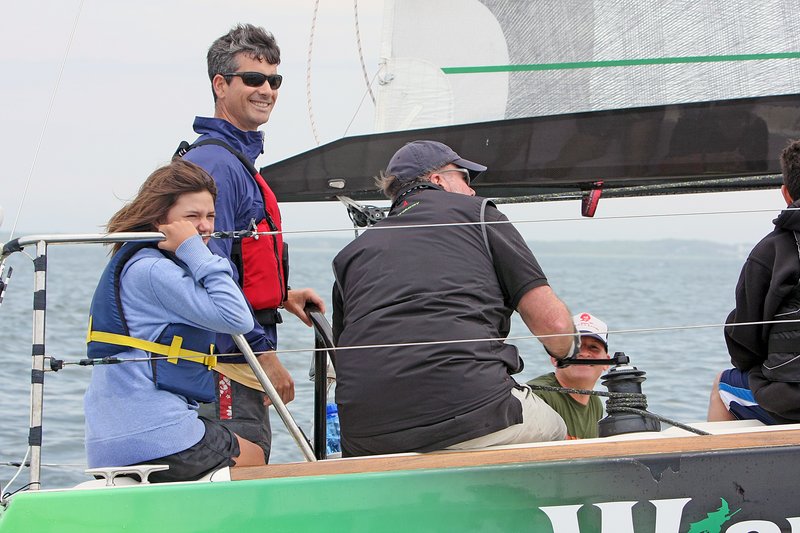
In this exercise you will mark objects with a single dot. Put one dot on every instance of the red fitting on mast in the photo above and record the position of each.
(590, 199)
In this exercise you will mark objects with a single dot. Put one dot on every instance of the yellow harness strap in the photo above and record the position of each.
(173, 351)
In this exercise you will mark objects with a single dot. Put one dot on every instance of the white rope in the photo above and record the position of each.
(308, 74)
(361, 58)
(19, 470)
(47, 118)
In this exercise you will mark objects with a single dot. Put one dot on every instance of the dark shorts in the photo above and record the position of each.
(240, 409)
(215, 450)
(734, 389)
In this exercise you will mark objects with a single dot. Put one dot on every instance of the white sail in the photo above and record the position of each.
(461, 61)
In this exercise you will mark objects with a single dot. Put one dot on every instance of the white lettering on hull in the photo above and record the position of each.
(617, 517)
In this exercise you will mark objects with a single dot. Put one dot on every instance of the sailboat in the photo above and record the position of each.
(606, 117)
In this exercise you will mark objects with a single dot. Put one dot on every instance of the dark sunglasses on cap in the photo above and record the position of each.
(257, 79)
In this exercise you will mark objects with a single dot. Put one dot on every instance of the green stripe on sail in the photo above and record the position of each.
(619, 63)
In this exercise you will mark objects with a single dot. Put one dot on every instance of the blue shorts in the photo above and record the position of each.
(734, 389)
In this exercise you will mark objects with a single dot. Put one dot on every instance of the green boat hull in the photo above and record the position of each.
(741, 490)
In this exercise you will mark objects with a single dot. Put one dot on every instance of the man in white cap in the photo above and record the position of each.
(581, 412)
(438, 287)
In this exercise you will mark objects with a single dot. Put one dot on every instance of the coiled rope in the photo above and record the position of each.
(622, 402)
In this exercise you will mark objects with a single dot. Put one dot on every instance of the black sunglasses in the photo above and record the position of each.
(257, 79)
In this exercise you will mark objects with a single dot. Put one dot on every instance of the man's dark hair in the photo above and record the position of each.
(790, 164)
(254, 41)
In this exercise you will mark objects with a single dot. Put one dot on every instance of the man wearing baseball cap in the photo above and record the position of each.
(431, 289)
(581, 412)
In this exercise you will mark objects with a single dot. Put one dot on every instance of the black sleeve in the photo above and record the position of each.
(747, 345)
(516, 267)
(338, 310)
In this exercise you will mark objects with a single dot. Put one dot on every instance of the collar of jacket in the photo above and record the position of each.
(250, 143)
(411, 190)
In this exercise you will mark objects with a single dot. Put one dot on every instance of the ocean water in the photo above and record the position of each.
(677, 285)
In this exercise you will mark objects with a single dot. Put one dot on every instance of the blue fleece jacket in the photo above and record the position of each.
(129, 420)
(238, 202)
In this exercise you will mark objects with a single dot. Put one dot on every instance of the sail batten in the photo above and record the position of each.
(620, 63)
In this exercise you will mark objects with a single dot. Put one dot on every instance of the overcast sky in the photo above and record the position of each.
(135, 77)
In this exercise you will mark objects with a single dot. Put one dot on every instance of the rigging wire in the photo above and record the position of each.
(47, 118)
(308, 73)
(4, 496)
(363, 96)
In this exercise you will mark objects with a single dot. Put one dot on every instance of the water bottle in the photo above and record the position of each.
(332, 434)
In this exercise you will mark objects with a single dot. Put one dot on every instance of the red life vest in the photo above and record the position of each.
(262, 260)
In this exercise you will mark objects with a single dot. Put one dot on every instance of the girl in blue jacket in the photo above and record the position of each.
(159, 305)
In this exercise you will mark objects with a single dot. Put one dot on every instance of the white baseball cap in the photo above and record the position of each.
(589, 325)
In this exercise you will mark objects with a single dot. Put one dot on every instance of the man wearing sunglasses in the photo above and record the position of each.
(242, 68)
(437, 281)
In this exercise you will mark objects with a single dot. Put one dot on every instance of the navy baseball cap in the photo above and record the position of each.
(417, 158)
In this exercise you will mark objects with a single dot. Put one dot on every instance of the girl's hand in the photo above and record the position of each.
(176, 232)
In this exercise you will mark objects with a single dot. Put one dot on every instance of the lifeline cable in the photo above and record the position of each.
(115, 360)
(17, 464)
(523, 221)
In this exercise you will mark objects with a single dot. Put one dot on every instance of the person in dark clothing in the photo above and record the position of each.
(441, 295)
(765, 381)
